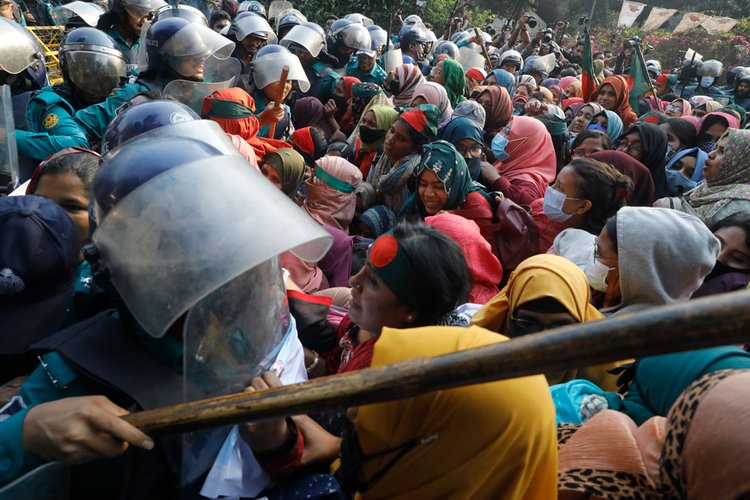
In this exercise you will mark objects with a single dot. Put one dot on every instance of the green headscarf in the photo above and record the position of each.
(290, 166)
(450, 167)
(739, 109)
(454, 81)
(384, 118)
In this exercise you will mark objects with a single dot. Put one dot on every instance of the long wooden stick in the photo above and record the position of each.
(707, 322)
(278, 98)
(483, 45)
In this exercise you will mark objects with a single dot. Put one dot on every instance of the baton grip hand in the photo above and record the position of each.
(266, 435)
(78, 430)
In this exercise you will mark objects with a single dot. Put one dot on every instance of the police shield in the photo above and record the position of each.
(217, 74)
(8, 150)
(392, 60)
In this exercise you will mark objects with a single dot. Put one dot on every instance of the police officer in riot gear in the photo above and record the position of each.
(123, 23)
(250, 32)
(176, 50)
(307, 42)
(708, 73)
(70, 409)
(92, 67)
(365, 66)
(21, 59)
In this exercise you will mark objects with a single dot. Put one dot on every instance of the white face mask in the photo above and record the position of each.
(596, 274)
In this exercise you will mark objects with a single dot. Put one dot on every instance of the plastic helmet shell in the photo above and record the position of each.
(245, 25)
(142, 118)
(253, 6)
(450, 49)
(92, 61)
(355, 36)
(181, 10)
(304, 36)
(268, 63)
(712, 67)
(511, 57)
(412, 20)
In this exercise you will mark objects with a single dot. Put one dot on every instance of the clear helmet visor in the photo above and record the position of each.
(196, 40)
(97, 70)
(186, 12)
(306, 37)
(267, 70)
(277, 7)
(8, 151)
(139, 9)
(217, 74)
(254, 24)
(183, 234)
(230, 336)
(20, 50)
(470, 58)
(392, 60)
(89, 12)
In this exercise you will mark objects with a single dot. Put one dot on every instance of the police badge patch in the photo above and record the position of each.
(51, 120)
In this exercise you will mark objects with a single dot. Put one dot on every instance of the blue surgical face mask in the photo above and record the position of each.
(498, 145)
(707, 81)
(597, 127)
(553, 205)
(678, 184)
(670, 152)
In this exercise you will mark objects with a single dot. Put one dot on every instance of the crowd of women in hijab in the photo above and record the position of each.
(215, 201)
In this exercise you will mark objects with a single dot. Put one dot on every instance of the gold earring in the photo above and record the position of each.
(410, 318)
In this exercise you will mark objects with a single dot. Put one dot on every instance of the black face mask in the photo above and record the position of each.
(371, 135)
(351, 473)
(721, 269)
(475, 167)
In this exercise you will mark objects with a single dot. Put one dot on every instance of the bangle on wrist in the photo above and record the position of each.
(315, 362)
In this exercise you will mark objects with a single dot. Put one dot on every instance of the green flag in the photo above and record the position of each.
(637, 81)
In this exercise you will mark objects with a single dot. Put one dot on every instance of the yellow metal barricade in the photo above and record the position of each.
(50, 37)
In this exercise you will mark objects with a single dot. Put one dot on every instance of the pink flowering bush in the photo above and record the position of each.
(732, 48)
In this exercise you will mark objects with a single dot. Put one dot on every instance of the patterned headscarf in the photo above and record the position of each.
(408, 77)
(472, 110)
(450, 167)
(379, 219)
(732, 182)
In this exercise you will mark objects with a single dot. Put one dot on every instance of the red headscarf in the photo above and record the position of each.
(622, 105)
(644, 193)
(303, 141)
(486, 271)
(246, 127)
(532, 154)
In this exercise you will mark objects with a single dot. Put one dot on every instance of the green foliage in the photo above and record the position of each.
(731, 48)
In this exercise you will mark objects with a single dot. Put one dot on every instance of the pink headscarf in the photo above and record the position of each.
(485, 268)
(532, 154)
(330, 194)
(434, 93)
(731, 120)
(687, 109)
(565, 81)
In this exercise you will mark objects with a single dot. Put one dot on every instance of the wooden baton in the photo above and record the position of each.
(706, 322)
(278, 98)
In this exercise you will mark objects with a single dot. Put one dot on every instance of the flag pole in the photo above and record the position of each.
(642, 62)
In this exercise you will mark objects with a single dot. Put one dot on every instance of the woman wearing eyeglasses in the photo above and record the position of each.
(545, 292)
(648, 144)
